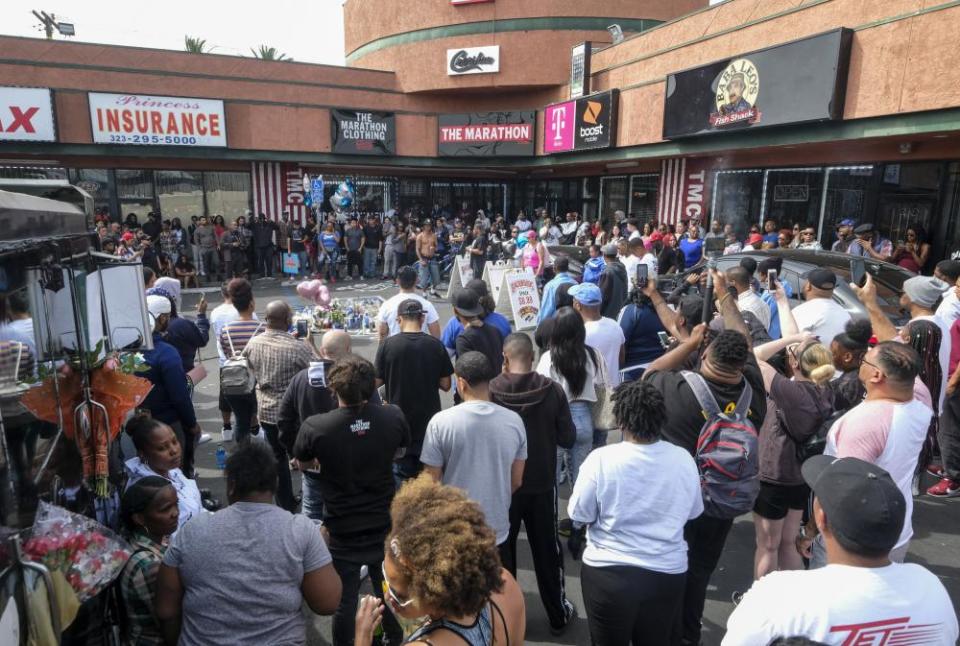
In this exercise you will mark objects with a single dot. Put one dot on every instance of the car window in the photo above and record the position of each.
(887, 297)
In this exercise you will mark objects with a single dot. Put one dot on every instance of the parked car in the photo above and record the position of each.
(798, 263)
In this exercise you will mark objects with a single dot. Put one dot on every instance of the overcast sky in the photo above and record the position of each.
(306, 30)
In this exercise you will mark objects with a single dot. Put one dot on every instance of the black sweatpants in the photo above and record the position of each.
(948, 437)
(355, 259)
(705, 538)
(538, 513)
(348, 568)
(630, 605)
(284, 496)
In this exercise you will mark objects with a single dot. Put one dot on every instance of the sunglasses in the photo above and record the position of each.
(390, 593)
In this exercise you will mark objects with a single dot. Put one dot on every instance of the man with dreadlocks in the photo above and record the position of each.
(355, 446)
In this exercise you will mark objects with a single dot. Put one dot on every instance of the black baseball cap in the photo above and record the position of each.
(822, 278)
(864, 229)
(466, 302)
(862, 502)
(477, 285)
(410, 307)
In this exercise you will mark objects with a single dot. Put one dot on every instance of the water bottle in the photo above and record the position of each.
(221, 457)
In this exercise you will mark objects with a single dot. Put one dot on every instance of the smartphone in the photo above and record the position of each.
(771, 279)
(302, 328)
(858, 272)
(642, 275)
(664, 339)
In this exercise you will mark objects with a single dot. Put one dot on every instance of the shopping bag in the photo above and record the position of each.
(291, 263)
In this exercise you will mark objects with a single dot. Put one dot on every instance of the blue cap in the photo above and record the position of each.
(586, 294)
(848, 223)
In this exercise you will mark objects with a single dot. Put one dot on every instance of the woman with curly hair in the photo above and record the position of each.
(635, 498)
(441, 563)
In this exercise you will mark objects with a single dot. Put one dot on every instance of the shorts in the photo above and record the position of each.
(774, 501)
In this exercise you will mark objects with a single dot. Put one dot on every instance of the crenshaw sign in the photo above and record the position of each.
(473, 60)
(26, 114)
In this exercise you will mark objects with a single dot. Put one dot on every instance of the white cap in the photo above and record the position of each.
(158, 305)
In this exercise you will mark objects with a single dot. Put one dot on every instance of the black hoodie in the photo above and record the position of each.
(541, 404)
(613, 288)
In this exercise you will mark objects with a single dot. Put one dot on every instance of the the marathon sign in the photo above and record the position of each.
(763, 88)
(473, 60)
(138, 119)
(26, 114)
(487, 134)
(585, 124)
(355, 132)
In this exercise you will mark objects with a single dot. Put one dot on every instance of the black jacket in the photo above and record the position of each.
(263, 233)
(613, 288)
(540, 402)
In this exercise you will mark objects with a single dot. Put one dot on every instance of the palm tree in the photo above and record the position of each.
(194, 45)
(265, 53)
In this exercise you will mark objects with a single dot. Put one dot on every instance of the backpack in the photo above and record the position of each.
(816, 443)
(727, 452)
(236, 375)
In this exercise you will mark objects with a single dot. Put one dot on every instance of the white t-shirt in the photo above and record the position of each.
(650, 261)
(823, 317)
(630, 264)
(889, 435)
(635, 500)
(388, 312)
(606, 337)
(949, 309)
(219, 318)
(902, 603)
(748, 301)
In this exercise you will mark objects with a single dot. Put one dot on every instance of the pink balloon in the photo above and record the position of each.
(306, 289)
(322, 297)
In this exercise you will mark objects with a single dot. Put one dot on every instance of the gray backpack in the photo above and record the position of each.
(727, 452)
(236, 375)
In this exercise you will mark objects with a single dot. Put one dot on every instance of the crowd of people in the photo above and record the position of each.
(661, 417)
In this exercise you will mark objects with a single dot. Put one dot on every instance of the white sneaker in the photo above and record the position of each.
(226, 434)
(204, 438)
(364, 572)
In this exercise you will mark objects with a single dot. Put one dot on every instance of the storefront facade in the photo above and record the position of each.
(804, 114)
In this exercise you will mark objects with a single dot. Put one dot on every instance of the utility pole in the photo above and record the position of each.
(49, 22)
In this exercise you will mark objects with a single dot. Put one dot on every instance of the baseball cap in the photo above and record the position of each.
(410, 307)
(848, 223)
(610, 250)
(586, 294)
(467, 303)
(158, 305)
(925, 291)
(477, 286)
(754, 238)
(862, 502)
(864, 229)
(822, 278)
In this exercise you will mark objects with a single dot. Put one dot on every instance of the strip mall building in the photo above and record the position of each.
(804, 111)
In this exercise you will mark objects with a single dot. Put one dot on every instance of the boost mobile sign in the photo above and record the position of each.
(585, 124)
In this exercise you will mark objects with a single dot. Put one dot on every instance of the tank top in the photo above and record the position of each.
(329, 241)
(480, 633)
(531, 258)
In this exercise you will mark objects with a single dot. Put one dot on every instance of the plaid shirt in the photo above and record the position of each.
(138, 586)
(275, 357)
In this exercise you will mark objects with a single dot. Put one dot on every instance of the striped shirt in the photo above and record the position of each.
(240, 333)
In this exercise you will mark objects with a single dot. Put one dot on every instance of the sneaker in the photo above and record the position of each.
(364, 572)
(204, 438)
(946, 488)
(434, 293)
(226, 434)
(564, 527)
(935, 470)
(571, 617)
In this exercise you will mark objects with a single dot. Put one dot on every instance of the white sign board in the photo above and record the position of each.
(521, 287)
(26, 114)
(460, 274)
(138, 119)
(473, 60)
(493, 277)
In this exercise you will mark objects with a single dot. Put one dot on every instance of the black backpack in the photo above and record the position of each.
(816, 443)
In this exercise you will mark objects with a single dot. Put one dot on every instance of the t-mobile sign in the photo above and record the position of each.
(558, 125)
(587, 123)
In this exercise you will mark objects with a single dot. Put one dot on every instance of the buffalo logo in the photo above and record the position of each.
(592, 114)
(462, 62)
(736, 95)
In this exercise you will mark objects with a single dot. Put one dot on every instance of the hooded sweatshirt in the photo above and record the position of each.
(613, 286)
(541, 404)
(592, 270)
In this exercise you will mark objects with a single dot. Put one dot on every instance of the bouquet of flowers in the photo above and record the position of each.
(88, 554)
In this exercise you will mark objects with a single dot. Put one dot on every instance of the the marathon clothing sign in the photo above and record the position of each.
(138, 119)
(363, 133)
(797, 82)
(585, 124)
(487, 134)
(26, 114)
(473, 60)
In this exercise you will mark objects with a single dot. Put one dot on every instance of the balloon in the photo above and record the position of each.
(315, 292)
(307, 289)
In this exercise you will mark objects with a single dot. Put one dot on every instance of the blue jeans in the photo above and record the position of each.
(369, 262)
(311, 504)
(429, 274)
(583, 422)
(304, 267)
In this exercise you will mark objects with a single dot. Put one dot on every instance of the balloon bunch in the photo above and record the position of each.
(342, 199)
(315, 292)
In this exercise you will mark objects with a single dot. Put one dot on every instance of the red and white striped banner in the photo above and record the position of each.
(683, 190)
(278, 188)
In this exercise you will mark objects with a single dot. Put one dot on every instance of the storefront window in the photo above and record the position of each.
(413, 195)
(643, 196)
(613, 195)
(847, 194)
(947, 236)
(181, 194)
(226, 193)
(134, 184)
(96, 182)
(909, 195)
(792, 196)
(737, 195)
(591, 190)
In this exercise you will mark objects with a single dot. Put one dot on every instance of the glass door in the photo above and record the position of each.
(613, 194)
(644, 190)
(737, 196)
(791, 196)
(847, 194)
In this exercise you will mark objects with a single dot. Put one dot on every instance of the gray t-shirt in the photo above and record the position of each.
(476, 443)
(242, 569)
(353, 237)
